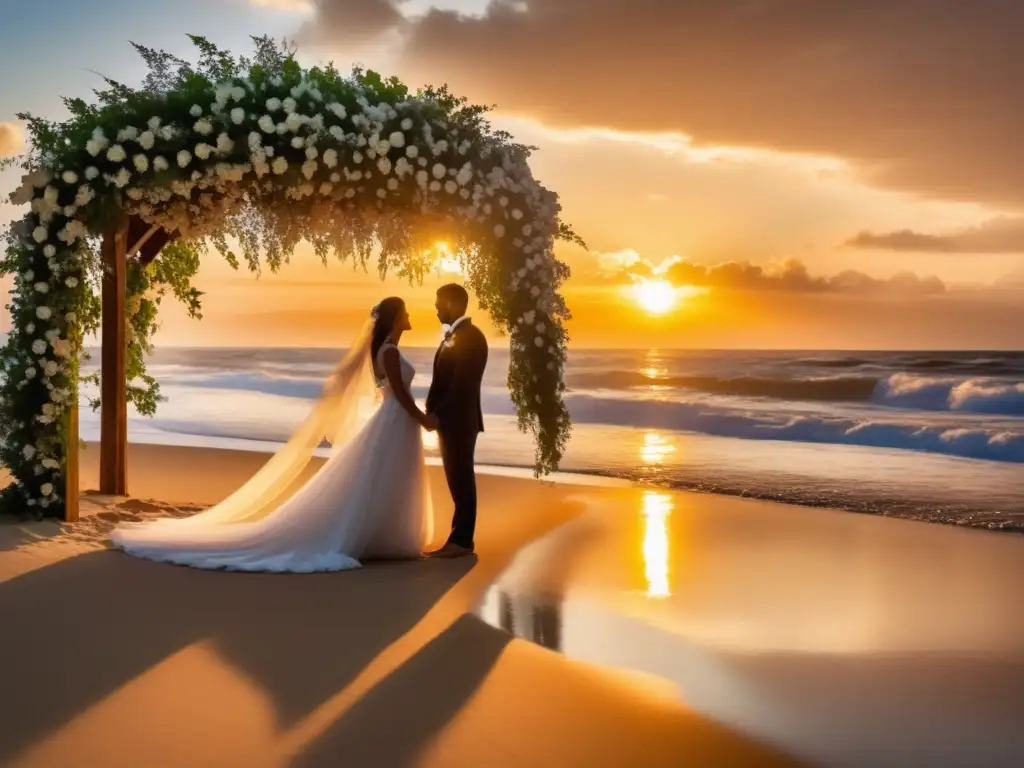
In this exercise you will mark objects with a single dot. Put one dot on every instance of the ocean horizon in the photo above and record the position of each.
(929, 435)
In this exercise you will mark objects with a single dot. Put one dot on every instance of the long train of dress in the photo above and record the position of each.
(369, 500)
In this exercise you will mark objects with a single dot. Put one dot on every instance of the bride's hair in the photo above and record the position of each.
(384, 316)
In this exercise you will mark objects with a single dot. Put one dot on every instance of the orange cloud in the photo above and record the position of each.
(788, 275)
(921, 96)
(1003, 235)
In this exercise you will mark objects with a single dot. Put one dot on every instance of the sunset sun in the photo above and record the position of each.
(656, 297)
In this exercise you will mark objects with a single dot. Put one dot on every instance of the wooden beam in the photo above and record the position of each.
(134, 245)
(150, 249)
(71, 482)
(114, 396)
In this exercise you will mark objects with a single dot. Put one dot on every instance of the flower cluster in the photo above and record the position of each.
(271, 154)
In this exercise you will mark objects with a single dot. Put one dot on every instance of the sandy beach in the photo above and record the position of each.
(111, 661)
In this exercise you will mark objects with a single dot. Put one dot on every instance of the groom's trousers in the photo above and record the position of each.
(458, 449)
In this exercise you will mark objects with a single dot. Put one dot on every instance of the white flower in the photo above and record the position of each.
(407, 124)
(147, 140)
(435, 185)
(49, 251)
(293, 122)
(46, 489)
(451, 187)
(92, 172)
(38, 347)
(128, 134)
(43, 313)
(42, 288)
(116, 154)
(122, 178)
(237, 115)
(384, 166)
(439, 171)
(238, 93)
(517, 214)
(337, 109)
(71, 282)
(412, 151)
(529, 316)
(62, 348)
(70, 317)
(357, 157)
(50, 368)
(331, 158)
(203, 151)
(499, 230)
(279, 166)
(203, 127)
(289, 105)
(273, 104)
(393, 184)
(160, 163)
(298, 142)
(421, 178)
(266, 124)
(225, 144)
(141, 163)
(29, 451)
(382, 193)
(539, 341)
(397, 139)
(309, 169)
(30, 276)
(51, 464)
(69, 177)
(196, 110)
(39, 234)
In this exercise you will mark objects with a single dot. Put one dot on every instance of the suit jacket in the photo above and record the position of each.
(454, 395)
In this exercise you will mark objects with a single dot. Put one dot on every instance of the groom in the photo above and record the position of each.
(453, 409)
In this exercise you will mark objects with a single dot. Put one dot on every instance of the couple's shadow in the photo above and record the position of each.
(77, 631)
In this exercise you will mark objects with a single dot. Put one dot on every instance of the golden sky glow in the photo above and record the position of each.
(725, 203)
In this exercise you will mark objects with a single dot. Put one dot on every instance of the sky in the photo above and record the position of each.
(822, 174)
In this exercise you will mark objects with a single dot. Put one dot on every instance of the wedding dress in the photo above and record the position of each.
(369, 500)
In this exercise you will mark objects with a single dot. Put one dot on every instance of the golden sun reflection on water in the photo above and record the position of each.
(656, 448)
(657, 506)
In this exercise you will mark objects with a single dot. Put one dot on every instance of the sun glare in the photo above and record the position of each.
(656, 296)
(659, 296)
(446, 260)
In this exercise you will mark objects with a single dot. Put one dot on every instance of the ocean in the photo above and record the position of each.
(932, 436)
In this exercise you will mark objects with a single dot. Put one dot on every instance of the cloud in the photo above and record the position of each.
(788, 276)
(12, 140)
(1003, 235)
(920, 96)
(289, 6)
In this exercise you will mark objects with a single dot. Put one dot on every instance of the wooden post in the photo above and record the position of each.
(114, 396)
(71, 483)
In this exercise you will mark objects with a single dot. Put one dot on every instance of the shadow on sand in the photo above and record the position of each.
(86, 626)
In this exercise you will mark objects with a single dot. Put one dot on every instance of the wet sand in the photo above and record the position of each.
(846, 640)
(111, 661)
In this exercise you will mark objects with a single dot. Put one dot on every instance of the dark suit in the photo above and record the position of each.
(454, 398)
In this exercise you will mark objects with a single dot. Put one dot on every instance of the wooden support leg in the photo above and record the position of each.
(71, 483)
(114, 408)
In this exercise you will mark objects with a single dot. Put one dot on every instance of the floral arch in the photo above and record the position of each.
(266, 153)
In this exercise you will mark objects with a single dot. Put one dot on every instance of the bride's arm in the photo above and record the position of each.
(393, 370)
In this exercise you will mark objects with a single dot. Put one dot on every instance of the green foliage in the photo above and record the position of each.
(254, 200)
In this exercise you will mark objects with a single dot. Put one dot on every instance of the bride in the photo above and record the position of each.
(369, 500)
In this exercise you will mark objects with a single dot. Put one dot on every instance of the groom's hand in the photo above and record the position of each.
(430, 422)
